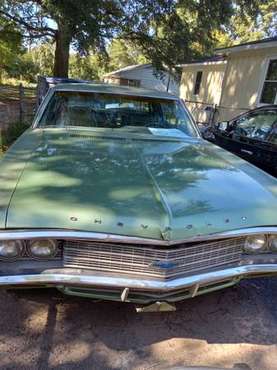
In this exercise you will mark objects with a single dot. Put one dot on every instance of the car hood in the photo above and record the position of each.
(163, 189)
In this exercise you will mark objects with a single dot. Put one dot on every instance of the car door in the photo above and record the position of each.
(248, 136)
(272, 146)
(230, 135)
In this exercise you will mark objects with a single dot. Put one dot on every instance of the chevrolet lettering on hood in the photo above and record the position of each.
(113, 194)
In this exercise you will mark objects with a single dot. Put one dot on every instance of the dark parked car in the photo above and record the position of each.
(251, 135)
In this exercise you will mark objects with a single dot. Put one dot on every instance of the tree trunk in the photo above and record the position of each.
(61, 63)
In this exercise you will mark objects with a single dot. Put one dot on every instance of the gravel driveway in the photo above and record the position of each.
(235, 328)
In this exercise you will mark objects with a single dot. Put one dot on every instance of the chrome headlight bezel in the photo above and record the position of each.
(40, 245)
(255, 244)
(17, 245)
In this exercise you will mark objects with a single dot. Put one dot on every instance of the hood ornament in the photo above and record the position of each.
(166, 233)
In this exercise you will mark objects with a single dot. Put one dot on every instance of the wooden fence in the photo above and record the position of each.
(17, 104)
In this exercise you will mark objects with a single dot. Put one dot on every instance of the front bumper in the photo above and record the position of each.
(79, 282)
(131, 288)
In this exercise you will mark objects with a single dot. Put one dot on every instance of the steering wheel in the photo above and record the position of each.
(240, 131)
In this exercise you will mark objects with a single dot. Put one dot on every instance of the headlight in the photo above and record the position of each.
(272, 242)
(255, 244)
(10, 248)
(43, 248)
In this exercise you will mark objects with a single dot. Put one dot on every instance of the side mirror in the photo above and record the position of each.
(208, 134)
(202, 127)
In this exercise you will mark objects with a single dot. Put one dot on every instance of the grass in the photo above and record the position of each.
(16, 81)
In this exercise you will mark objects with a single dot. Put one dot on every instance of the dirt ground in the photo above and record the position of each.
(234, 328)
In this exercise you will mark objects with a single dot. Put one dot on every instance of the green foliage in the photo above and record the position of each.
(20, 66)
(169, 32)
(86, 67)
(123, 53)
(92, 67)
(26, 66)
(42, 56)
(248, 28)
(8, 136)
(110, 34)
(10, 45)
(85, 24)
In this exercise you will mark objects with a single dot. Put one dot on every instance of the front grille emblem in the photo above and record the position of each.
(164, 265)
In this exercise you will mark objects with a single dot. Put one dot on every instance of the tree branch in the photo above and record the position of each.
(27, 25)
(37, 36)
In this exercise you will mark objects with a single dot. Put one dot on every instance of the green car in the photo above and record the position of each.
(113, 194)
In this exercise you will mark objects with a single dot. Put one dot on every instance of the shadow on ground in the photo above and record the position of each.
(44, 329)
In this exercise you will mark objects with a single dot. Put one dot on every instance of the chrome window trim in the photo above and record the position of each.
(41, 108)
(27, 234)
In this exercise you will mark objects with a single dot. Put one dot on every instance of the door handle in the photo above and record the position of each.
(246, 151)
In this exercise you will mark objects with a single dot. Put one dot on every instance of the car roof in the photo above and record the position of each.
(114, 89)
(263, 107)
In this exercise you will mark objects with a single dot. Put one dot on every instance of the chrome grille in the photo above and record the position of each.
(166, 262)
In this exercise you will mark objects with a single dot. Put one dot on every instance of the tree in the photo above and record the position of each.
(93, 67)
(84, 24)
(166, 32)
(243, 29)
(37, 60)
(42, 56)
(10, 45)
(184, 30)
(88, 67)
(123, 53)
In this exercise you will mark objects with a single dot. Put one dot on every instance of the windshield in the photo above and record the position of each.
(142, 114)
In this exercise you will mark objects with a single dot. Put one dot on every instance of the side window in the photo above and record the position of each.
(243, 126)
(269, 92)
(197, 82)
(56, 112)
(256, 125)
(173, 114)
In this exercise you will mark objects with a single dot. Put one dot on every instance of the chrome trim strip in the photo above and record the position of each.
(86, 235)
(61, 278)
